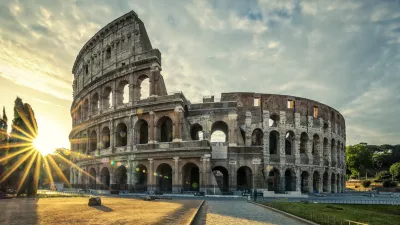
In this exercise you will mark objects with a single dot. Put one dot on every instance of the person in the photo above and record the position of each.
(255, 195)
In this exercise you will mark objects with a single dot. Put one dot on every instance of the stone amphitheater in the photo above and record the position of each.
(130, 134)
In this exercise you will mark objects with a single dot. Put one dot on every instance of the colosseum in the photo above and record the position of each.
(130, 134)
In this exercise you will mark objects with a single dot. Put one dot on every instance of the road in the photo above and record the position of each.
(240, 212)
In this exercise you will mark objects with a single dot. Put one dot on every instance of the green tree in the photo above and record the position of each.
(395, 170)
(358, 158)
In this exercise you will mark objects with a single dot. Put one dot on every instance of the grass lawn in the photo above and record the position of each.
(370, 214)
(74, 210)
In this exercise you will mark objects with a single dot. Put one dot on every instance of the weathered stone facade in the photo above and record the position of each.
(272, 142)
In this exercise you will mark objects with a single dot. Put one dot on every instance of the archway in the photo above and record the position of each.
(304, 182)
(244, 179)
(325, 182)
(93, 141)
(85, 109)
(165, 129)
(274, 120)
(107, 98)
(122, 135)
(144, 87)
(122, 92)
(105, 178)
(141, 178)
(325, 152)
(95, 102)
(190, 177)
(290, 180)
(338, 185)
(92, 178)
(142, 132)
(316, 183)
(121, 178)
(105, 137)
(164, 178)
(196, 132)
(289, 146)
(257, 137)
(273, 180)
(315, 149)
(219, 132)
(303, 143)
(222, 177)
(273, 142)
(333, 182)
(333, 152)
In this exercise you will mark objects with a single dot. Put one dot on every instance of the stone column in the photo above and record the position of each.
(99, 143)
(265, 126)
(232, 127)
(248, 135)
(151, 128)
(320, 181)
(298, 180)
(329, 183)
(114, 95)
(310, 182)
(178, 124)
(71, 175)
(296, 144)
(282, 180)
(112, 135)
(176, 181)
(328, 146)
(321, 152)
(282, 145)
(150, 178)
(309, 150)
(154, 72)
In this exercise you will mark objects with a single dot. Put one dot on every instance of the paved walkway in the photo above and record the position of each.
(241, 212)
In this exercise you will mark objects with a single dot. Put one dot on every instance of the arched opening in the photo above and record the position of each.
(141, 178)
(142, 132)
(92, 178)
(105, 137)
(164, 178)
(95, 102)
(107, 98)
(274, 120)
(316, 183)
(79, 114)
(144, 87)
(121, 178)
(338, 153)
(333, 152)
(325, 182)
(338, 186)
(196, 132)
(273, 180)
(333, 183)
(85, 109)
(122, 92)
(190, 177)
(105, 178)
(219, 132)
(122, 135)
(273, 142)
(257, 137)
(303, 143)
(315, 148)
(222, 177)
(164, 127)
(93, 141)
(290, 180)
(304, 182)
(325, 127)
(84, 140)
(289, 146)
(244, 179)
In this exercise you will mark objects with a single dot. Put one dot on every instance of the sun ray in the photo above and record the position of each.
(47, 169)
(23, 132)
(9, 156)
(16, 165)
(37, 171)
(14, 145)
(75, 166)
(58, 170)
(35, 128)
(20, 137)
(27, 122)
(26, 170)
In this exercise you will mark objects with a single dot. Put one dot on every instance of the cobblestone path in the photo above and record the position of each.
(240, 212)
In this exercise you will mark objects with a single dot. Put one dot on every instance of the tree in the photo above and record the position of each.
(383, 175)
(395, 170)
(358, 158)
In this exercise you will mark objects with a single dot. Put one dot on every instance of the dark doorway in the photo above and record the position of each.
(191, 177)
(164, 178)
(244, 179)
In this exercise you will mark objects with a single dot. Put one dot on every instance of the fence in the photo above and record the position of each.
(46, 192)
(361, 202)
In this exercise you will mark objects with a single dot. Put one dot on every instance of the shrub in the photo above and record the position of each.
(395, 170)
(366, 183)
(383, 175)
(389, 183)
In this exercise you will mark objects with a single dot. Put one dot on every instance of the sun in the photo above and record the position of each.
(43, 145)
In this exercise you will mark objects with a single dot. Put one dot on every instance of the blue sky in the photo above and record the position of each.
(341, 53)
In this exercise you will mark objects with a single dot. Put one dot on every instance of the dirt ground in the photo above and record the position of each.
(113, 211)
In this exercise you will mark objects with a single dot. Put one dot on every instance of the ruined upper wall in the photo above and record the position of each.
(119, 43)
(275, 103)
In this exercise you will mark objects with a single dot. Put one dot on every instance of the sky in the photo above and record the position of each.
(342, 53)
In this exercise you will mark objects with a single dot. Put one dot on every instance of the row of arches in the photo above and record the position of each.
(105, 98)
